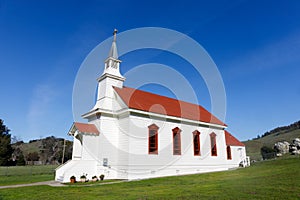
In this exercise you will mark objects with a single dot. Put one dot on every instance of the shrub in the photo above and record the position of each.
(267, 153)
(101, 177)
(73, 179)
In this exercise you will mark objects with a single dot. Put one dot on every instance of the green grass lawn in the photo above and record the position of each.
(276, 179)
(26, 174)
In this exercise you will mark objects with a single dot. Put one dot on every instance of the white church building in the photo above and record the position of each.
(133, 134)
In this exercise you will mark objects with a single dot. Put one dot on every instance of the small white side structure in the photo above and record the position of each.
(132, 134)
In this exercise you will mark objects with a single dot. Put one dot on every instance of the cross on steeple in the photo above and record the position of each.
(115, 34)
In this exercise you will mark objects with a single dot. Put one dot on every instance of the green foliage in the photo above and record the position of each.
(18, 156)
(275, 179)
(33, 156)
(21, 160)
(50, 149)
(267, 153)
(68, 151)
(5, 145)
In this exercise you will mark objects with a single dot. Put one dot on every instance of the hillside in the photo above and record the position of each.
(279, 134)
(48, 150)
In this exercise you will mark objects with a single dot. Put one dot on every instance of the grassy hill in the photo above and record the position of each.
(33, 146)
(282, 134)
(48, 150)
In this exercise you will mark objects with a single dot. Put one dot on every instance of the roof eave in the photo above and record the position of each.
(70, 132)
(178, 118)
(90, 113)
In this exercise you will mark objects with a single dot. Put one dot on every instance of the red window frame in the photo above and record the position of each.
(196, 143)
(213, 144)
(228, 150)
(176, 141)
(153, 139)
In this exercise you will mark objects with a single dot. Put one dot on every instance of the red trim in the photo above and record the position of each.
(153, 139)
(213, 144)
(176, 141)
(196, 143)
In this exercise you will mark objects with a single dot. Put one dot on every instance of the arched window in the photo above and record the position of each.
(153, 139)
(196, 141)
(213, 144)
(176, 141)
(228, 150)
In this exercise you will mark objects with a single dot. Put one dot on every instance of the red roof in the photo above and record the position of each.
(86, 128)
(149, 102)
(231, 140)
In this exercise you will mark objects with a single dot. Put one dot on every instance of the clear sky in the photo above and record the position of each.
(255, 45)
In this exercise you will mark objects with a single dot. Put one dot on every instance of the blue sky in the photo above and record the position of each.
(255, 45)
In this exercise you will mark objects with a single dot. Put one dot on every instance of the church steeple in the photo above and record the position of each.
(112, 62)
(110, 78)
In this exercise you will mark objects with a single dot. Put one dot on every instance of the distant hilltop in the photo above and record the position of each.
(270, 138)
(283, 129)
(44, 151)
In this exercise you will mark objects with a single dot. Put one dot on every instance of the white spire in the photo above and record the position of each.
(113, 50)
(112, 62)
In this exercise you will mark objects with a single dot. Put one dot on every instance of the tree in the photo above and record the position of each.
(21, 160)
(49, 149)
(267, 153)
(33, 156)
(52, 150)
(18, 156)
(258, 136)
(68, 151)
(5, 145)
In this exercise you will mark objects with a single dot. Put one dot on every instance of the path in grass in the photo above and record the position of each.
(50, 183)
(58, 184)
